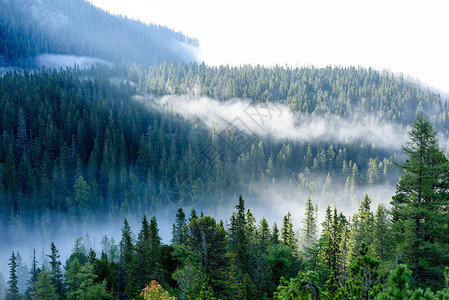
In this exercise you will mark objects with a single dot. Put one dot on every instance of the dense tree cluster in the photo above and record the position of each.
(75, 27)
(74, 143)
(77, 142)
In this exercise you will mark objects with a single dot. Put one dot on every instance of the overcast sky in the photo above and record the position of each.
(409, 37)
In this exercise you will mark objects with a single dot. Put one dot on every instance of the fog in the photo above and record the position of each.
(280, 123)
(56, 61)
(265, 198)
(271, 200)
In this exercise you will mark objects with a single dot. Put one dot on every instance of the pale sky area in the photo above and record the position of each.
(409, 37)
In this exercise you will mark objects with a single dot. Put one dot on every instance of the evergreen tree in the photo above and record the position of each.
(363, 282)
(13, 288)
(238, 237)
(146, 263)
(419, 206)
(178, 231)
(309, 229)
(43, 288)
(275, 234)
(288, 237)
(34, 272)
(56, 274)
(363, 225)
(398, 284)
(125, 260)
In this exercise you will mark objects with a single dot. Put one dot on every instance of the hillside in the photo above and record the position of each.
(134, 150)
(31, 28)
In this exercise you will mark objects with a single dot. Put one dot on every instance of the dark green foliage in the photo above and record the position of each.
(178, 231)
(207, 240)
(146, 264)
(13, 288)
(420, 205)
(56, 272)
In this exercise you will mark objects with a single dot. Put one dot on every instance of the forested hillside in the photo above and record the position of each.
(31, 28)
(82, 146)
(66, 133)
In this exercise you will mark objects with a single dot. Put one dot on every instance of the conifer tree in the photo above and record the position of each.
(178, 231)
(309, 229)
(56, 274)
(363, 225)
(239, 238)
(13, 288)
(43, 288)
(363, 282)
(275, 234)
(287, 233)
(419, 206)
(34, 272)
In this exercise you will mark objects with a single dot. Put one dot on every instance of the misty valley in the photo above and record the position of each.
(129, 169)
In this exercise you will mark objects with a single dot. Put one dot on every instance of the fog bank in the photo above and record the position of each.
(278, 122)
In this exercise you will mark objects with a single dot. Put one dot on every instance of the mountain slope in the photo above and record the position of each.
(29, 28)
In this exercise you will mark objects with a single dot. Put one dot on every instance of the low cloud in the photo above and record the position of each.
(276, 121)
(57, 61)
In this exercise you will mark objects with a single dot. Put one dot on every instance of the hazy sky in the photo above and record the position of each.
(410, 37)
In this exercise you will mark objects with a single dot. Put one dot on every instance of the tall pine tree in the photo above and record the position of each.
(419, 206)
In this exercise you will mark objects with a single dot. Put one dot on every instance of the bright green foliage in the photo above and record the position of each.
(363, 224)
(301, 287)
(43, 288)
(363, 281)
(420, 205)
(332, 287)
(97, 291)
(191, 279)
(206, 293)
(382, 245)
(331, 243)
(397, 287)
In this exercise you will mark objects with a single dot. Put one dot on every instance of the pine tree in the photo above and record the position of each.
(34, 272)
(275, 234)
(239, 238)
(146, 263)
(56, 274)
(178, 232)
(363, 282)
(363, 224)
(125, 260)
(287, 233)
(309, 229)
(419, 206)
(43, 288)
(398, 284)
(13, 288)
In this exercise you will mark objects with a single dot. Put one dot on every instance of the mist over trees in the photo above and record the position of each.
(85, 146)
(29, 28)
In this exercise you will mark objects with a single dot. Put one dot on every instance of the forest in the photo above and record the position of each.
(80, 148)
(394, 252)
(31, 28)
